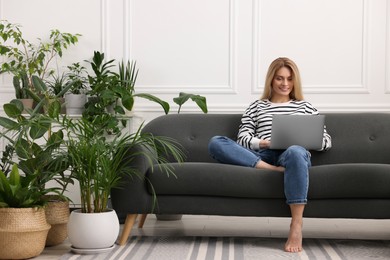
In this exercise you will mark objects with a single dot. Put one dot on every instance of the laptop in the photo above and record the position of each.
(304, 130)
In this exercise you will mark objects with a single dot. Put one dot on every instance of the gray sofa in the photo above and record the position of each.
(352, 180)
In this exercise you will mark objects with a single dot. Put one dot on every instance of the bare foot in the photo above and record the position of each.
(294, 241)
(264, 165)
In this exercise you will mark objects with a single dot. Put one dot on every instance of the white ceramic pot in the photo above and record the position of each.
(93, 230)
(75, 103)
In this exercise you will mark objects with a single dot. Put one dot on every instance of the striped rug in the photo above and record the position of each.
(215, 248)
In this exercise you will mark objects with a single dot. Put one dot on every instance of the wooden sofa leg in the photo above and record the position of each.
(142, 220)
(129, 223)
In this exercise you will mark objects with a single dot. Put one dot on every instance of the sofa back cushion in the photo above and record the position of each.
(193, 131)
(356, 137)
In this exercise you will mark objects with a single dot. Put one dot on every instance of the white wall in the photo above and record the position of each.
(221, 48)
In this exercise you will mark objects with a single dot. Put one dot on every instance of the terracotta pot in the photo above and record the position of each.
(28, 103)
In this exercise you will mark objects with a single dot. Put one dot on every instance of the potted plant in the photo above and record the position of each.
(37, 147)
(76, 97)
(21, 85)
(112, 92)
(24, 59)
(55, 86)
(23, 226)
(99, 162)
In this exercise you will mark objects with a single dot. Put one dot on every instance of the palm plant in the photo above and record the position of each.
(99, 162)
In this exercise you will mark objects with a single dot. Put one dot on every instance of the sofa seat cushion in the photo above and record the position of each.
(355, 180)
(215, 179)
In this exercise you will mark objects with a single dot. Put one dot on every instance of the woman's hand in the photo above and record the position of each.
(265, 144)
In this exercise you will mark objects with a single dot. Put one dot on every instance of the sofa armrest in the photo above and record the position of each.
(132, 196)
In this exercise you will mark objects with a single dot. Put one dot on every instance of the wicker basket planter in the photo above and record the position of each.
(57, 215)
(23, 232)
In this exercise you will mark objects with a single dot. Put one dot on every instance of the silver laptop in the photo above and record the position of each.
(304, 130)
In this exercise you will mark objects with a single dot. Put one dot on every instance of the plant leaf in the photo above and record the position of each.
(54, 108)
(201, 102)
(182, 98)
(38, 129)
(22, 149)
(153, 98)
(39, 84)
(128, 102)
(18, 104)
(8, 123)
(12, 110)
(14, 177)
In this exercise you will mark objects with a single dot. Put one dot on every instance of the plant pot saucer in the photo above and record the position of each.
(91, 251)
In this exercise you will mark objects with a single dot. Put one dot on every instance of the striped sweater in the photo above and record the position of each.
(256, 122)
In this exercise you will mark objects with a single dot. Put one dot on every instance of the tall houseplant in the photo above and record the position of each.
(37, 150)
(99, 162)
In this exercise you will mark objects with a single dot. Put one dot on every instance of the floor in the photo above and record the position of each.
(249, 226)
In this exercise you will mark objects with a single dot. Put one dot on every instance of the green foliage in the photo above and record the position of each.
(112, 92)
(77, 77)
(6, 159)
(56, 84)
(18, 191)
(184, 97)
(21, 89)
(25, 59)
(36, 145)
(100, 162)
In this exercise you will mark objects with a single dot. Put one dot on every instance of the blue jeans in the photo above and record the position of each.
(295, 160)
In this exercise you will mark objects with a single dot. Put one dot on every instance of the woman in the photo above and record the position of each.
(282, 95)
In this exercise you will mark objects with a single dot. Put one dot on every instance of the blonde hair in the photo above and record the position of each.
(277, 64)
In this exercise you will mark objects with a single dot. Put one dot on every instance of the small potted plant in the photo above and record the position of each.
(55, 86)
(21, 85)
(76, 97)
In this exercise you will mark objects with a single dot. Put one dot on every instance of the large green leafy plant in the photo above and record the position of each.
(18, 191)
(113, 88)
(37, 147)
(111, 91)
